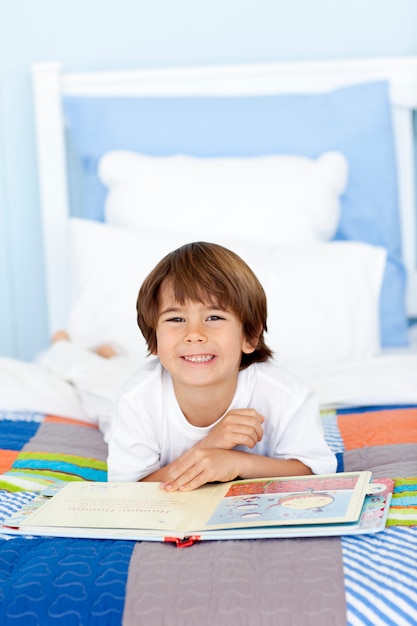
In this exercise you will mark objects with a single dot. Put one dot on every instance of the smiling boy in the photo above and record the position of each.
(212, 406)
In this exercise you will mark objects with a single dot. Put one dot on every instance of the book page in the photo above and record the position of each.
(121, 505)
(315, 499)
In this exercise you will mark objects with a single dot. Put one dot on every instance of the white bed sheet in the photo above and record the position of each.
(32, 387)
(69, 381)
(389, 378)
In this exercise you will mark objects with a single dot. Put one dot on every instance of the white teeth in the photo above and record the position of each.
(199, 359)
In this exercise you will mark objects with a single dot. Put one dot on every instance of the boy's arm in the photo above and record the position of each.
(199, 466)
(238, 427)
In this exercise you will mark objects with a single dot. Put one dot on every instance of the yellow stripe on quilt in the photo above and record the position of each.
(17, 483)
(403, 509)
(68, 458)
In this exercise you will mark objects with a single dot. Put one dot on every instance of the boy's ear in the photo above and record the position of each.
(249, 346)
(248, 349)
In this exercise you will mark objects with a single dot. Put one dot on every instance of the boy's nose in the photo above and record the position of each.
(195, 334)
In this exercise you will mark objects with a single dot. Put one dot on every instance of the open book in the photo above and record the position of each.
(330, 504)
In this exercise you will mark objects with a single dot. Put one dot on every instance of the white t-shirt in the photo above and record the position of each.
(149, 429)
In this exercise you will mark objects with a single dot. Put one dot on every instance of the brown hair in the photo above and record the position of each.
(203, 272)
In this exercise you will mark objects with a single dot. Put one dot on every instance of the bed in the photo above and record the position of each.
(306, 170)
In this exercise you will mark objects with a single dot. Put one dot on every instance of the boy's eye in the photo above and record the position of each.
(175, 319)
(214, 318)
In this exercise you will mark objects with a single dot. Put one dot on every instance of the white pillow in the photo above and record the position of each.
(323, 298)
(202, 198)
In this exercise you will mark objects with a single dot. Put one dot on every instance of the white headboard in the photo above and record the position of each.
(51, 83)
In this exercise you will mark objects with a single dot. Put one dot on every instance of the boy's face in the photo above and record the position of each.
(198, 343)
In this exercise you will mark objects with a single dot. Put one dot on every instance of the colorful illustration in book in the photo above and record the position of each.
(312, 500)
(295, 499)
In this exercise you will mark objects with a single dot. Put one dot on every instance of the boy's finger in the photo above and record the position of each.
(186, 482)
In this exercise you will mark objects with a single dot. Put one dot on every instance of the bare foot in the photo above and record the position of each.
(106, 351)
(60, 335)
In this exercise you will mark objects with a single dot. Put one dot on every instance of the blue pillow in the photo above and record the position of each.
(355, 120)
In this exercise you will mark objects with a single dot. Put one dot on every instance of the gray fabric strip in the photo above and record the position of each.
(262, 582)
(68, 439)
(391, 461)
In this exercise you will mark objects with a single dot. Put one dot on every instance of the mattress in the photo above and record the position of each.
(367, 579)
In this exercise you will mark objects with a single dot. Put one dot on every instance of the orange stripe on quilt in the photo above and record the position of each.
(68, 420)
(378, 428)
(7, 458)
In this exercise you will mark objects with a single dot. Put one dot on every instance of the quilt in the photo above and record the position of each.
(354, 580)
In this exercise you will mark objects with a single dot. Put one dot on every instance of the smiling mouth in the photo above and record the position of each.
(202, 358)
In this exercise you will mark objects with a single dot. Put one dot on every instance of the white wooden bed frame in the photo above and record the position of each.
(51, 83)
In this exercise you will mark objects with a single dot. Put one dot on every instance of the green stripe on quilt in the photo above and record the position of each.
(81, 461)
(33, 471)
(9, 486)
(25, 482)
(403, 509)
(46, 475)
(60, 465)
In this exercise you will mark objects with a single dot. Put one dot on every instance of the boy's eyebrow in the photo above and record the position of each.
(178, 308)
(173, 309)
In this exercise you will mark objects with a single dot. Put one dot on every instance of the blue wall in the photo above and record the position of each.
(110, 34)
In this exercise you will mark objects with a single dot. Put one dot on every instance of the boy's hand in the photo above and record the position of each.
(238, 427)
(197, 467)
